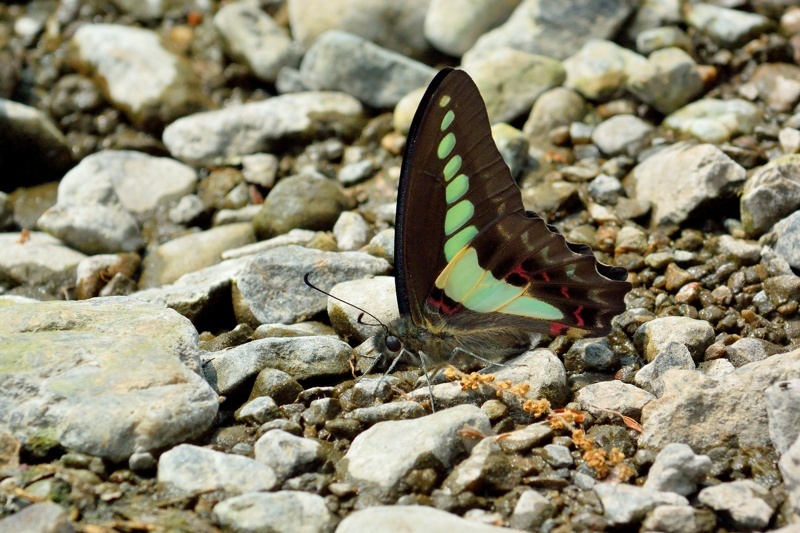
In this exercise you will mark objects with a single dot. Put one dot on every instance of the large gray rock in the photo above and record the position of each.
(453, 26)
(378, 77)
(392, 25)
(279, 512)
(38, 260)
(225, 136)
(771, 193)
(555, 29)
(381, 456)
(138, 75)
(412, 519)
(271, 288)
(698, 174)
(110, 377)
(733, 406)
(252, 37)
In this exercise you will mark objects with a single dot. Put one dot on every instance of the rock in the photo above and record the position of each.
(622, 134)
(733, 405)
(748, 252)
(600, 69)
(556, 107)
(679, 519)
(308, 201)
(714, 121)
(787, 239)
(790, 470)
(378, 77)
(554, 29)
(749, 505)
(301, 237)
(355, 172)
(277, 385)
(45, 517)
(381, 456)
(253, 38)
(453, 27)
(782, 289)
(531, 510)
(351, 231)
(382, 245)
(615, 395)
(412, 519)
(668, 80)
(93, 229)
(43, 156)
(673, 355)
(654, 39)
(270, 288)
(258, 411)
(150, 84)
(628, 504)
(699, 175)
(376, 295)
(486, 468)
(771, 193)
(510, 81)
(654, 336)
(192, 469)
(591, 355)
(225, 136)
(260, 169)
(749, 350)
(513, 147)
(384, 22)
(37, 260)
(114, 178)
(524, 439)
(191, 253)
(279, 512)
(138, 393)
(783, 410)
(387, 411)
(301, 357)
(287, 455)
(727, 27)
(677, 469)
(93, 273)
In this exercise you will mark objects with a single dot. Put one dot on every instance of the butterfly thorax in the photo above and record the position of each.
(440, 344)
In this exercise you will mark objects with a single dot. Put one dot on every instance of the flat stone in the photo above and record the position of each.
(412, 519)
(278, 512)
(109, 377)
(38, 260)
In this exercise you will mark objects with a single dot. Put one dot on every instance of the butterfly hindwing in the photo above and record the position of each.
(468, 255)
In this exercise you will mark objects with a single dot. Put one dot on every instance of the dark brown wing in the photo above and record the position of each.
(466, 252)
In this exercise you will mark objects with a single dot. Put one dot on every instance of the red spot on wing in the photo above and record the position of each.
(545, 276)
(578, 318)
(521, 272)
(557, 329)
(565, 292)
(442, 306)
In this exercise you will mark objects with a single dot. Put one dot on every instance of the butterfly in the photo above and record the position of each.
(474, 271)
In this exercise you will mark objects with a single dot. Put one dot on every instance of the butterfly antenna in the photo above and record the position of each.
(363, 312)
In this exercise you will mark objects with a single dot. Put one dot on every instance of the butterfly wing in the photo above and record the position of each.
(467, 253)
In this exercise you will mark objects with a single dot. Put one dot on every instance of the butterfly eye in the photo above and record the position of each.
(393, 344)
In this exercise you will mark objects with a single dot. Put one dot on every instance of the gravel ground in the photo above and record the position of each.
(170, 170)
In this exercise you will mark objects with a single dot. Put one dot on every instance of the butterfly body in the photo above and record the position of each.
(474, 271)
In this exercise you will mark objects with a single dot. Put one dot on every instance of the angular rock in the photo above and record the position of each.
(714, 121)
(669, 80)
(628, 504)
(93, 229)
(37, 260)
(677, 469)
(783, 409)
(673, 355)
(727, 27)
(621, 134)
(412, 519)
(733, 406)
(378, 77)
(45, 517)
(382, 455)
(287, 455)
(615, 396)
(600, 69)
(749, 505)
(554, 29)
(698, 175)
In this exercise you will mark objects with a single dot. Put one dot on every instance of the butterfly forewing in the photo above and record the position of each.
(467, 253)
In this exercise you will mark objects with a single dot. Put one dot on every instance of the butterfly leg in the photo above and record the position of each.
(459, 350)
(422, 357)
